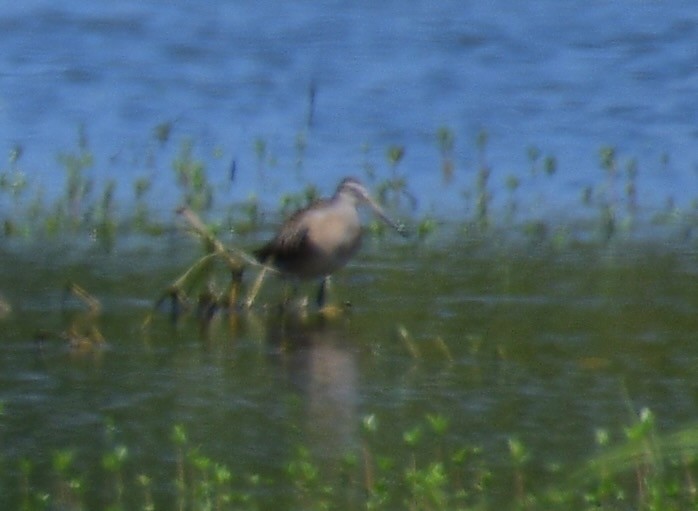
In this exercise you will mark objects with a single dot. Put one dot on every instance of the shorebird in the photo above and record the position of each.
(321, 238)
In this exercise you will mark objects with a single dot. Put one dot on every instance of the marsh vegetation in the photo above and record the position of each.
(507, 354)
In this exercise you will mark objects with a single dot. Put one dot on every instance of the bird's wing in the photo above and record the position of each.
(290, 241)
(292, 237)
(287, 243)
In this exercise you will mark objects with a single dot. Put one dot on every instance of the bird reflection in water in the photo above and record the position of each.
(318, 361)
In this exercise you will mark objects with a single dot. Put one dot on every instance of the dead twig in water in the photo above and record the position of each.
(195, 222)
(236, 265)
(255, 287)
(235, 259)
(83, 334)
(92, 303)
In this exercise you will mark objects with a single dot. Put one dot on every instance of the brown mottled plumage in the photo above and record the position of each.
(318, 240)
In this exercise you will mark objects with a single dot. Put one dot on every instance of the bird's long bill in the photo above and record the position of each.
(399, 227)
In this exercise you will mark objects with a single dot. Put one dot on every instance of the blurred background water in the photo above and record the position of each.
(567, 78)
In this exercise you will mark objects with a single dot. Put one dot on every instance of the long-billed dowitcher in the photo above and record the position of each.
(318, 240)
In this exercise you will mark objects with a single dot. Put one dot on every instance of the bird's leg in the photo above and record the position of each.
(323, 291)
(289, 291)
(327, 310)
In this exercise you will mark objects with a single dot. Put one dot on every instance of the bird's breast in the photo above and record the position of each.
(335, 232)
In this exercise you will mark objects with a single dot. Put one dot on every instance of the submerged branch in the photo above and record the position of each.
(199, 228)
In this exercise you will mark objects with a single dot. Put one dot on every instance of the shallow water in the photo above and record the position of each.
(503, 336)
(543, 345)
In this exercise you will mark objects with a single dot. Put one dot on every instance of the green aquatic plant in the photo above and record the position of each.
(203, 483)
(14, 156)
(367, 165)
(446, 141)
(482, 206)
(394, 188)
(13, 180)
(548, 165)
(519, 457)
(536, 225)
(609, 164)
(435, 471)
(191, 176)
(631, 171)
(647, 471)
(391, 190)
(83, 204)
(615, 216)
(394, 155)
(141, 215)
(70, 485)
(78, 184)
(426, 227)
(179, 439)
(438, 423)
(291, 202)
(512, 185)
(105, 223)
(261, 151)
(146, 483)
(113, 463)
(482, 193)
(310, 489)
(427, 488)
(163, 131)
(533, 153)
(247, 218)
(301, 145)
(312, 94)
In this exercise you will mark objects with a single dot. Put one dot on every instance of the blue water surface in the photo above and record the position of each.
(565, 77)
